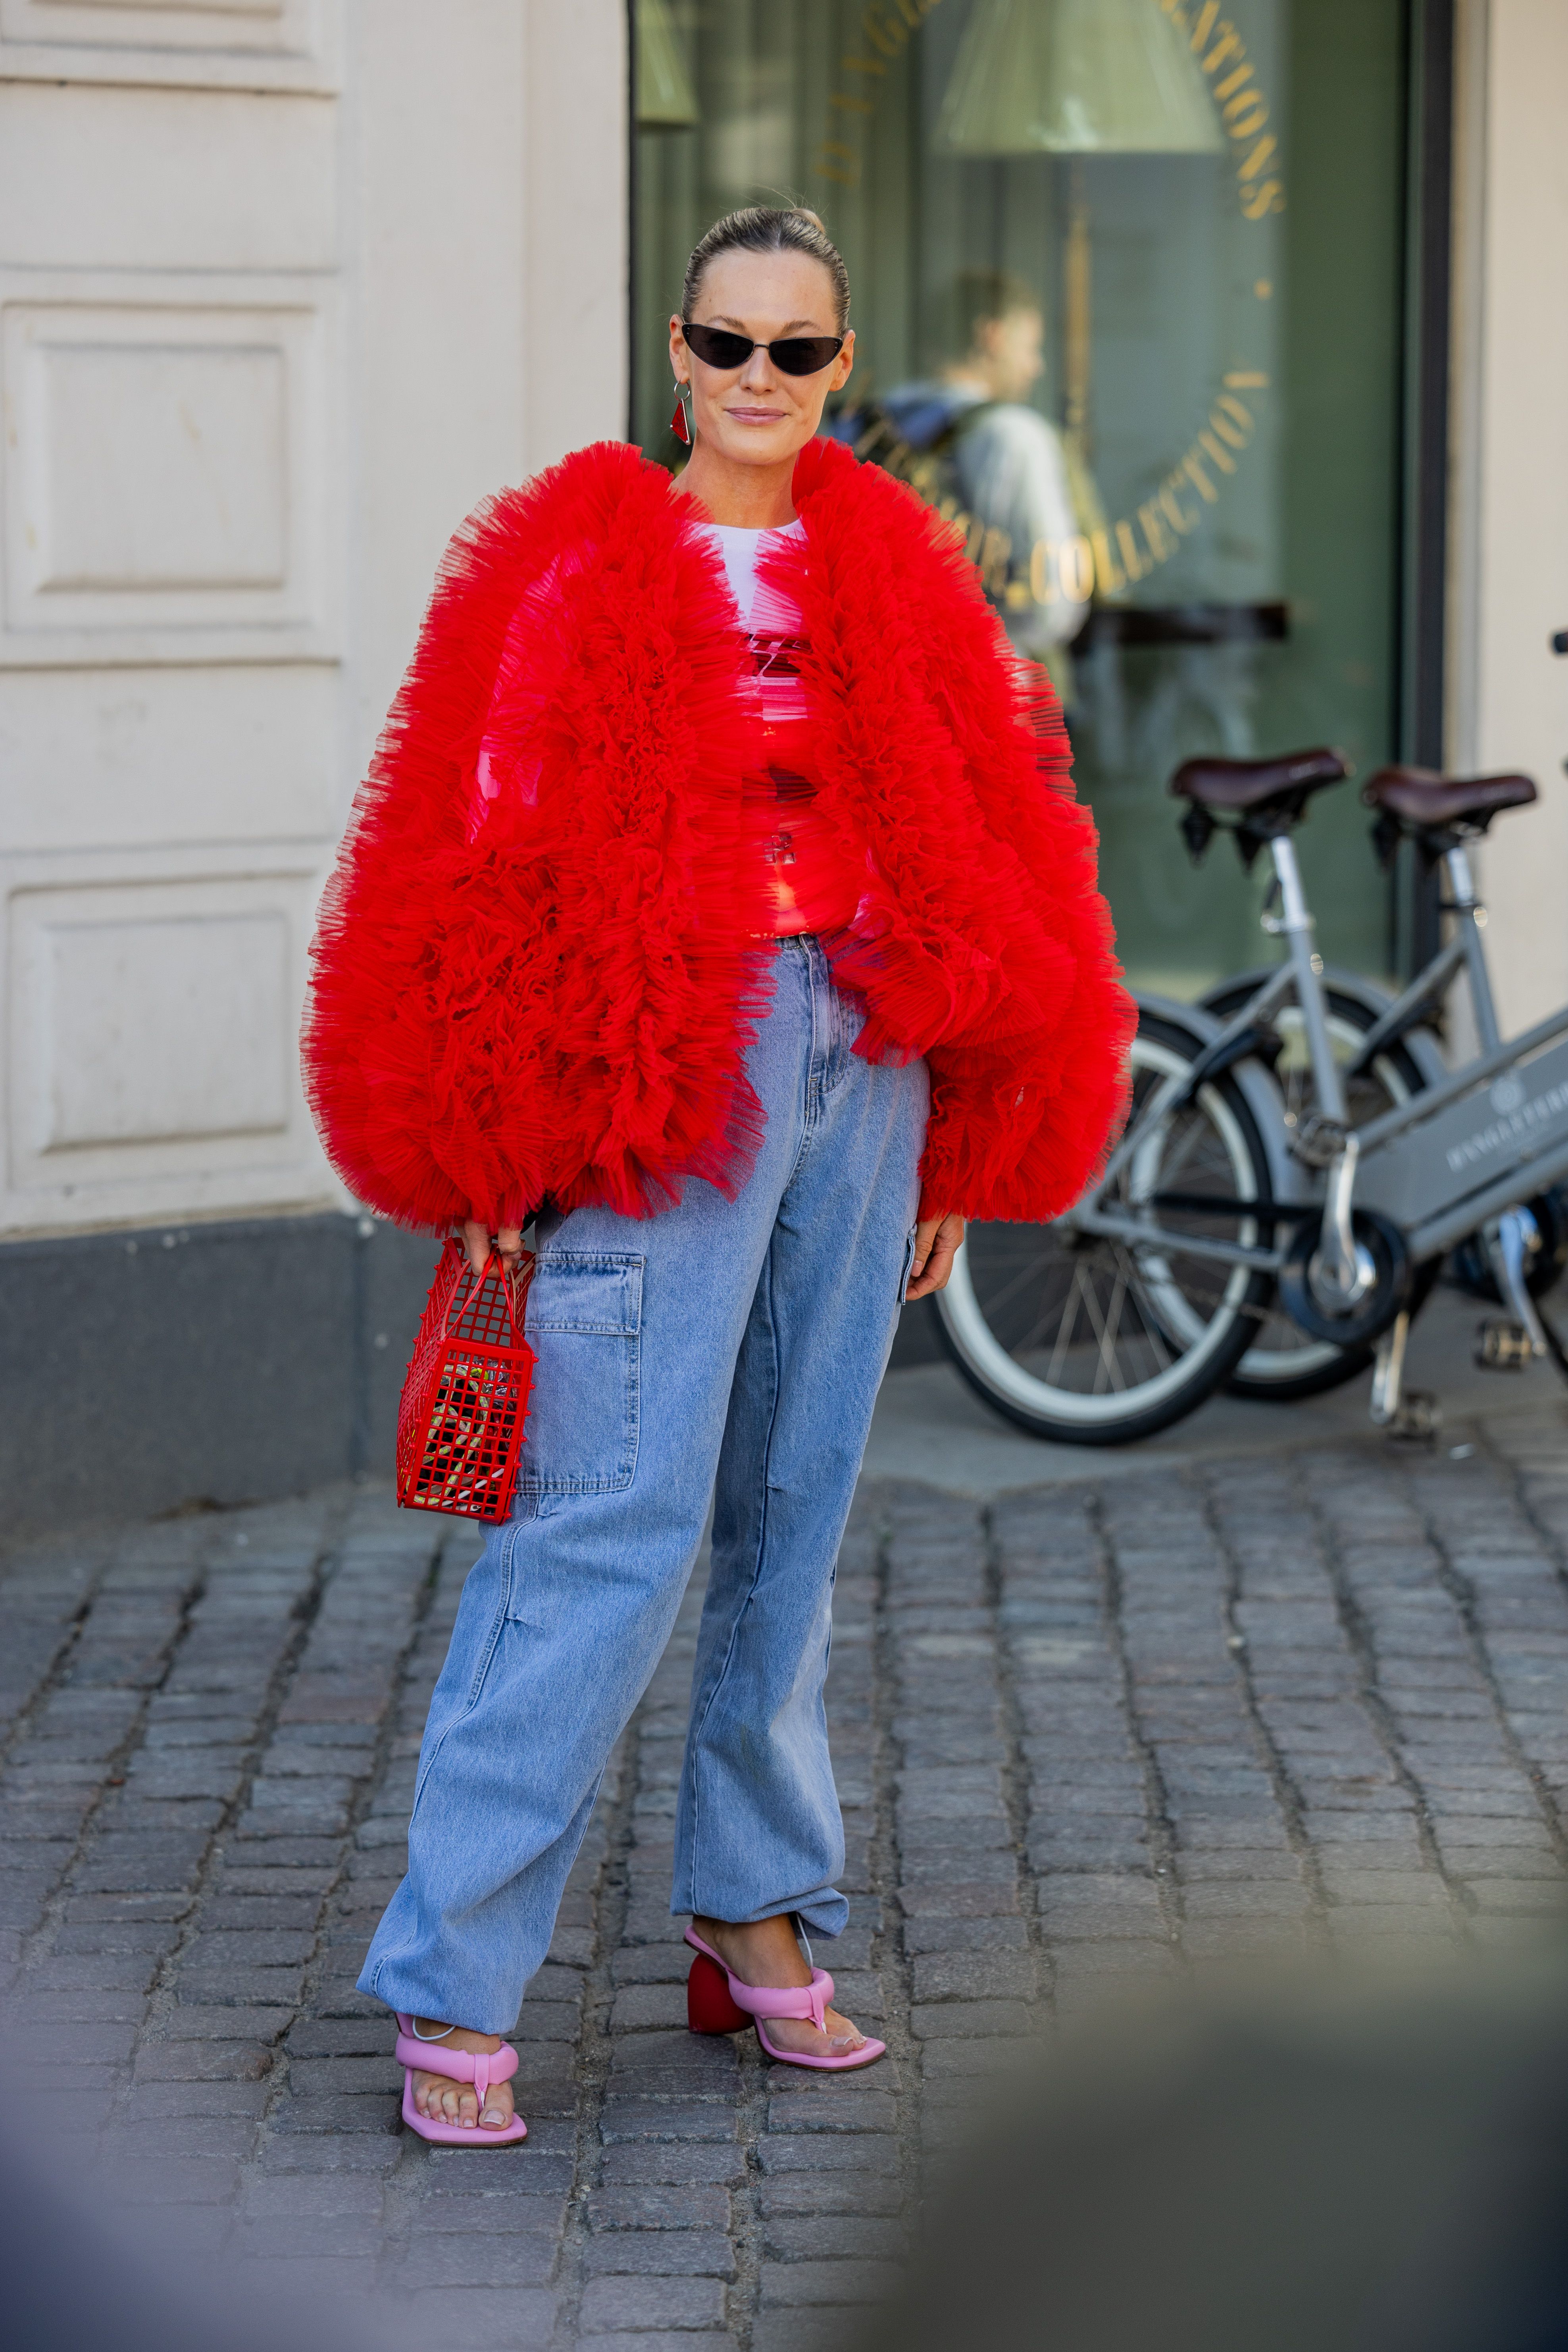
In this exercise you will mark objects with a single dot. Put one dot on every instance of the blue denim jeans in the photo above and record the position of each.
(724, 1350)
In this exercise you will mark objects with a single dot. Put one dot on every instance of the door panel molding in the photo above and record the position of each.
(223, 45)
(169, 483)
(154, 1001)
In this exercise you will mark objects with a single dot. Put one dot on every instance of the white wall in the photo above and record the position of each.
(577, 325)
(282, 294)
(492, 278)
(1510, 704)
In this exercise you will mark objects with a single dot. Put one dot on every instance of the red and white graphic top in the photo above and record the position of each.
(771, 620)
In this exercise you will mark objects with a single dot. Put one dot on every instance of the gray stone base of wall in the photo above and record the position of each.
(183, 1366)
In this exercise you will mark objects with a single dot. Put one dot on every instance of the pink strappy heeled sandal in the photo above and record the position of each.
(481, 2068)
(717, 2003)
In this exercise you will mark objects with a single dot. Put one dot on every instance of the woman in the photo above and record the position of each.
(717, 896)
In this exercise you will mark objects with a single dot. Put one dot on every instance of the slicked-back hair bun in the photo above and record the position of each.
(760, 228)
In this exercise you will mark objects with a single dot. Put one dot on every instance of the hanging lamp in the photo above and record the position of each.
(1076, 77)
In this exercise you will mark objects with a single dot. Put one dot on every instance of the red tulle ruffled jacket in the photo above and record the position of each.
(538, 962)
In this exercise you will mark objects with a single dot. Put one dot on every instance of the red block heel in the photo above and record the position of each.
(708, 2008)
(719, 2002)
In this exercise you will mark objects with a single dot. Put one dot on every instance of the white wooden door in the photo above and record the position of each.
(269, 273)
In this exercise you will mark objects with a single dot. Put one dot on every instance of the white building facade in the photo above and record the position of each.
(285, 287)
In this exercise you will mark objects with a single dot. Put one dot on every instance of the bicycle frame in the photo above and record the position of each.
(1425, 1164)
(1466, 950)
(1525, 1142)
(1226, 1048)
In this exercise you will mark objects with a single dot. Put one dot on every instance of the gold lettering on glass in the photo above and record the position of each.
(1245, 114)
(1200, 481)
(887, 39)
(1161, 544)
(1108, 572)
(1077, 563)
(1137, 569)
(1174, 511)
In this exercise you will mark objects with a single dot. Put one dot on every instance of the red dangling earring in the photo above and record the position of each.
(677, 423)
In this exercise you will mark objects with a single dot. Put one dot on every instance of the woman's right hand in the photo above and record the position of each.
(480, 1241)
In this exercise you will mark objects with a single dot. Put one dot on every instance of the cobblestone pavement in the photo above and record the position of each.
(1089, 1732)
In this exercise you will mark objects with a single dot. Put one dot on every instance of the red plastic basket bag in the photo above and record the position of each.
(465, 1394)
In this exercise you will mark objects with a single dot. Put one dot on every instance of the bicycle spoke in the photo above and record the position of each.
(1158, 1349)
(1035, 1333)
(1106, 1367)
(1191, 1133)
(996, 1300)
(1069, 1323)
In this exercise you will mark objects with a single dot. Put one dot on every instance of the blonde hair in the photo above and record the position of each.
(761, 228)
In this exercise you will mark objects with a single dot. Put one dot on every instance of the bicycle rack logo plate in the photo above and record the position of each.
(1474, 1141)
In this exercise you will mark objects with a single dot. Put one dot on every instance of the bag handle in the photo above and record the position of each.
(515, 1285)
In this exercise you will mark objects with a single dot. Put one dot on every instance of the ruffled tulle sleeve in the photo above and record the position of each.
(533, 964)
(981, 939)
(1020, 1123)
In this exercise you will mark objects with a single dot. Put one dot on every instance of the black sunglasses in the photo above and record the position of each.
(795, 355)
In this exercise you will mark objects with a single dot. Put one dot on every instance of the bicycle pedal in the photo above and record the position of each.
(1418, 1420)
(1502, 1346)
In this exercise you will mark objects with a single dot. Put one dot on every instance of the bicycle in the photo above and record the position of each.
(1297, 1159)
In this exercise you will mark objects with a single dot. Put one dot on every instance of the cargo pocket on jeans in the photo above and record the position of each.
(585, 1316)
(909, 1262)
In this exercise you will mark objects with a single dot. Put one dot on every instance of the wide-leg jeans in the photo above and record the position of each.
(723, 1350)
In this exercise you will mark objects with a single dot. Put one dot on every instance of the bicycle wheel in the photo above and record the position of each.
(1283, 1363)
(1093, 1341)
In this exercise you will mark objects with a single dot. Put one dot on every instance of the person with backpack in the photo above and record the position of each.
(967, 441)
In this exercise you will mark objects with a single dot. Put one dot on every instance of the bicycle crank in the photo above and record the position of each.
(1380, 1290)
(1509, 1244)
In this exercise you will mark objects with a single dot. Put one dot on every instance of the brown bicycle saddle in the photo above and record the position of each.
(1420, 796)
(1244, 784)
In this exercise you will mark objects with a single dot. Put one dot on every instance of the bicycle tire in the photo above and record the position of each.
(988, 1359)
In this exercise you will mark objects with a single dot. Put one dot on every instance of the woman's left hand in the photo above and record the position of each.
(479, 1241)
(936, 1246)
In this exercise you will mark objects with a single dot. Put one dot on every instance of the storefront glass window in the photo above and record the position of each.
(1127, 286)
